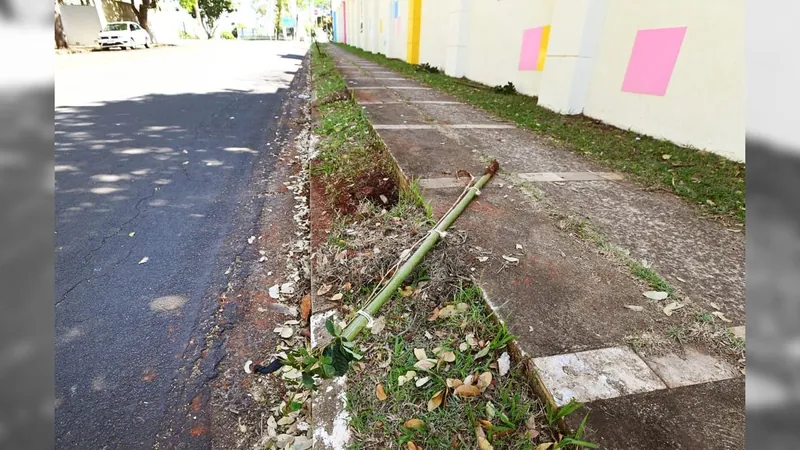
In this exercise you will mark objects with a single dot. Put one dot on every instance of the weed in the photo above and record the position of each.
(506, 89)
(677, 334)
(701, 178)
(555, 415)
(427, 68)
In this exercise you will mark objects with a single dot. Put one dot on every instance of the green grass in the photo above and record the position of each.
(702, 178)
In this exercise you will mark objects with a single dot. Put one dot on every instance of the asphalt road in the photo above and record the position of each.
(154, 150)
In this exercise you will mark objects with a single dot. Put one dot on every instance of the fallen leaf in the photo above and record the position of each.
(672, 307)
(287, 332)
(470, 338)
(412, 424)
(655, 295)
(274, 291)
(721, 316)
(511, 259)
(463, 347)
(305, 307)
(425, 364)
(490, 410)
(251, 239)
(504, 364)
(519, 246)
(466, 390)
(407, 291)
(680, 279)
(447, 356)
(530, 426)
(710, 202)
(434, 315)
(483, 258)
(428, 335)
(665, 157)
(715, 306)
(380, 392)
(412, 446)
(347, 286)
(483, 444)
(337, 297)
(469, 379)
(132, 234)
(447, 311)
(287, 288)
(144, 260)
(484, 351)
(635, 308)
(435, 401)
(453, 382)
(485, 423)
(420, 354)
(378, 325)
(384, 199)
(544, 446)
(484, 380)
(324, 289)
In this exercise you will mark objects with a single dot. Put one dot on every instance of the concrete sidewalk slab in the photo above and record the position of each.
(567, 299)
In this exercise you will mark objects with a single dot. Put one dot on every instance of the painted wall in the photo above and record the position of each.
(704, 98)
(672, 70)
(81, 24)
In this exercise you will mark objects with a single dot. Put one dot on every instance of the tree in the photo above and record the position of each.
(61, 39)
(280, 6)
(141, 12)
(208, 12)
(211, 11)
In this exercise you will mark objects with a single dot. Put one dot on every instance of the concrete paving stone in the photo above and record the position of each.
(420, 145)
(709, 416)
(400, 114)
(694, 367)
(596, 374)
(441, 183)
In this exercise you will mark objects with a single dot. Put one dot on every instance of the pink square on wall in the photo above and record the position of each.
(531, 45)
(652, 60)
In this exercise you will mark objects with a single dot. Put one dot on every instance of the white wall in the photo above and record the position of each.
(434, 32)
(704, 103)
(81, 24)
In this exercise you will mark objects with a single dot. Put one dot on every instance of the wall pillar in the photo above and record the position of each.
(575, 33)
(457, 39)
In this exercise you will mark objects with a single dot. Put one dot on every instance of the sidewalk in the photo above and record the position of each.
(581, 246)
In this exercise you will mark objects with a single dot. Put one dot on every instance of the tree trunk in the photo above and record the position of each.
(197, 16)
(61, 39)
(141, 13)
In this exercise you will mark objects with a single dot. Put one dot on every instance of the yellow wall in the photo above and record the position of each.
(587, 54)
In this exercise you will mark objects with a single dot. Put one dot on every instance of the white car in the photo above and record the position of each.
(124, 35)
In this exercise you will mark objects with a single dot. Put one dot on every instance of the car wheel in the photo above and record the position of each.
(146, 42)
(133, 45)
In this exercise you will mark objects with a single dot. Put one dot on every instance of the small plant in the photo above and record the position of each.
(227, 35)
(185, 35)
(425, 67)
(507, 89)
(554, 415)
(677, 333)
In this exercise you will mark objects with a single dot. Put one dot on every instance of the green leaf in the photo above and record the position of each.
(484, 351)
(308, 381)
(309, 361)
(296, 406)
(330, 326)
(328, 370)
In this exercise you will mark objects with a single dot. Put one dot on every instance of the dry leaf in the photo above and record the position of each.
(483, 352)
(305, 307)
(669, 309)
(274, 291)
(287, 288)
(462, 307)
(544, 446)
(468, 380)
(721, 316)
(378, 325)
(412, 446)
(435, 401)
(485, 423)
(403, 379)
(483, 258)
(463, 347)
(453, 382)
(504, 364)
(466, 390)
(421, 382)
(484, 380)
(380, 392)
(425, 364)
(447, 356)
(434, 315)
(412, 424)
(420, 354)
(490, 410)
(511, 259)
(337, 297)
(635, 308)
(714, 305)
(655, 295)
(144, 260)
(447, 311)
(483, 444)
(470, 338)
(666, 157)
(407, 291)
(530, 425)
(347, 286)
(324, 289)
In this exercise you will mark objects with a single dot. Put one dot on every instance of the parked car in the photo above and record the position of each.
(124, 35)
